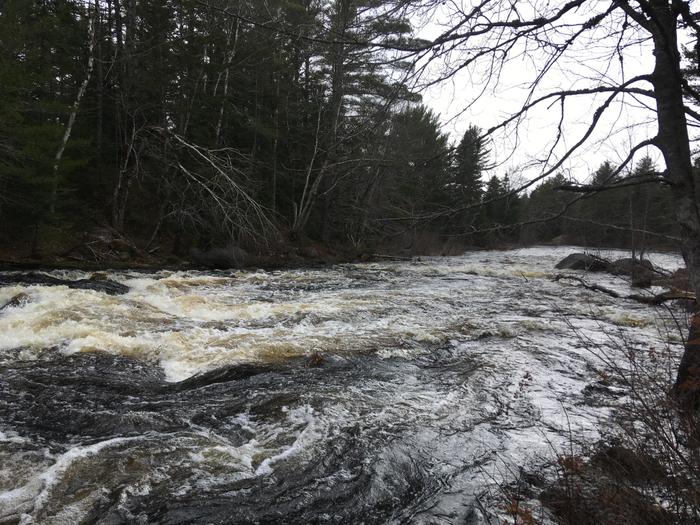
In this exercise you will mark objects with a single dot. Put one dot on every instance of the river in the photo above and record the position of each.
(385, 392)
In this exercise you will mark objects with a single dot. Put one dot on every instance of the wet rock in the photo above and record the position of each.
(680, 279)
(106, 286)
(628, 264)
(221, 375)
(642, 280)
(220, 258)
(534, 479)
(316, 359)
(18, 300)
(641, 271)
(583, 261)
(677, 280)
(601, 393)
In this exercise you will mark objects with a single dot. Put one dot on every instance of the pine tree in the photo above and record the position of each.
(418, 154)
(471, 160)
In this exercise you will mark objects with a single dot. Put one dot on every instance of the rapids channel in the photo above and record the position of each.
(390, 392)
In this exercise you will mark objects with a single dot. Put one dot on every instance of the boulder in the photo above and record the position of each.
(679, 279)
(583, 261)
(220, 258)
(628, 265)
(18, 300)
(106, 286)
(642, 271)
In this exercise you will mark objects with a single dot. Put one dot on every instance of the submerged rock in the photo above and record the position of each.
(103, 285)
(583, 261)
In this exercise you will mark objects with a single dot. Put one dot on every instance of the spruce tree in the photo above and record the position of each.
(471, 160)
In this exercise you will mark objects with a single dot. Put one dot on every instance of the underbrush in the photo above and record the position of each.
(645, 470)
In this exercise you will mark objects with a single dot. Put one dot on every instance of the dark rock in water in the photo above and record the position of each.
(583, 261)
(220, 258)
(221, 375)
(601, 394)
(676, 280)
(107, 286)
(642, 280)
(316, 359)
(642, 271)
(18, 300)
(628, 264)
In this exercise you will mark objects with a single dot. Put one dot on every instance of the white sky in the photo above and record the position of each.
(624, 124)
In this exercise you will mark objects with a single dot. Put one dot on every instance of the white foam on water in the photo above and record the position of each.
(310, 433)
(535, 344)
(190, 322)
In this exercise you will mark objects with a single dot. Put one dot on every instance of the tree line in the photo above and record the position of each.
(182, 123)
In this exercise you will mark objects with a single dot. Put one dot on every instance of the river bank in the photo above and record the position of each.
(284, 254)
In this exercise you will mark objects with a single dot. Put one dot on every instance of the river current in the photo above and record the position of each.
(389, 392)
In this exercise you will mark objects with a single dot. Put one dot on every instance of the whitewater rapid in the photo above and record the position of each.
(391, 392)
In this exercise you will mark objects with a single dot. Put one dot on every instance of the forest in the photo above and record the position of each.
(180, 125)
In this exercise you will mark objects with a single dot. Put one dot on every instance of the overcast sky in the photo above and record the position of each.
(624, 124)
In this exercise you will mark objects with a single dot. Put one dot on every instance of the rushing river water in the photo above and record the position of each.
(389, 392)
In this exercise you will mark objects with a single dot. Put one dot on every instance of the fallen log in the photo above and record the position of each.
(669, 295)
(588, 286)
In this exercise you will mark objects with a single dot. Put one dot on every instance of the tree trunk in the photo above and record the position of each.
(230, 53)
(74, 111)
(100, 93)
(275, 149)
(673, 141)
(121, 189)
(339, 55)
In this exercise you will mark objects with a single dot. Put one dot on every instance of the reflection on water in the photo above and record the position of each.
(383, 392)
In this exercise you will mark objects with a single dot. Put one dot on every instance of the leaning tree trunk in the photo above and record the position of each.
(673, 141)
(74, 110)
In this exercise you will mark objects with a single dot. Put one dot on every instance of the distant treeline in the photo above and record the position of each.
(631, 210)
(185, 123)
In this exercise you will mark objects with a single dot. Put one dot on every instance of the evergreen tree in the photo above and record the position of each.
(416, 182)
(41, 67)
(471, 160)
(546, 204)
